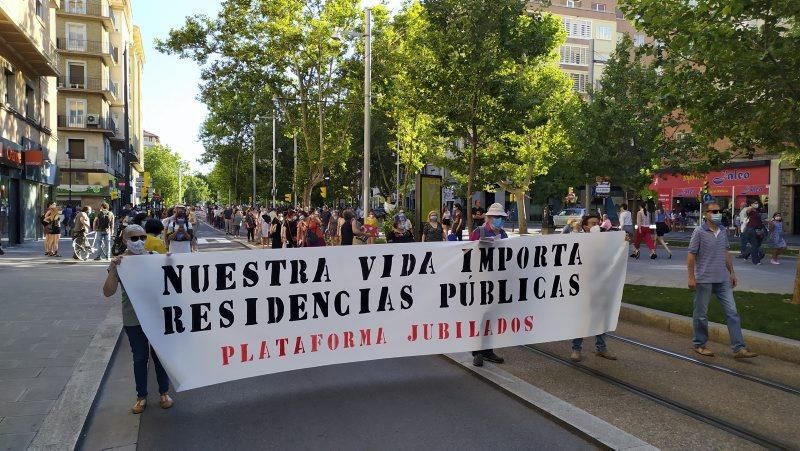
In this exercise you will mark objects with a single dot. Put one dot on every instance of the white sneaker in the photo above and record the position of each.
(775, 262)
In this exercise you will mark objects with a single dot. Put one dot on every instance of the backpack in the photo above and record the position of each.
(103, 221)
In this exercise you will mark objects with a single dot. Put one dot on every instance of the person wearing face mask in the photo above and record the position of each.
(135, 237)
(178, 232)
(711, 271)
(591, 224)
(405, 223)
(433, 230)
(776, 238)
(334, 227)
(371, 227)
(491, 229)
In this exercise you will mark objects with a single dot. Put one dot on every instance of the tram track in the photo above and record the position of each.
(675, 355)
(739, 431)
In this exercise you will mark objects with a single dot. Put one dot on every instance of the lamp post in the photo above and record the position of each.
(366, 191)
(253, 199)
(294, 172)
(274, 155)
(397, 177)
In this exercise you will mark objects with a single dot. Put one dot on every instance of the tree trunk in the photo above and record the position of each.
(471, 178)
(522, 212)
(796, 296)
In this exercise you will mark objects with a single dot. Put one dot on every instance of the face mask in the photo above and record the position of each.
(136, 247)
(434, 218)
(594, 229)
(755, 205)
(777, 218)
(716, 218)
(402, 217)
(180, 221)
(497, 223)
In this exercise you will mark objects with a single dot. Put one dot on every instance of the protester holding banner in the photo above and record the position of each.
(591, 224)
(433, 230)
(492, 229)
(135, 237)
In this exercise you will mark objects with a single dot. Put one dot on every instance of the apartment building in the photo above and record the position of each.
(27, 116)
(593, 28)
(99, 147)
(151, 139)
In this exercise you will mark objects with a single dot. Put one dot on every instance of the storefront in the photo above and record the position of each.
(736, 185)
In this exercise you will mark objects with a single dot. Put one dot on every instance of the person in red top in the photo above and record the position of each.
(492, 229)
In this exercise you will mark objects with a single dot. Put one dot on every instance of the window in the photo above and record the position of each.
(569, 3)
(106, 152)
(577, 28)
(604, 32)
(76, 74)
(76, 37)
(40, 8)
(75, 6)
(638, 40)
(46, 114)
(601, 7)
(11, 89)
(76, 113)
(30, 102)
(601, 57)
(571, 54)
(76, 149)
(579, 81)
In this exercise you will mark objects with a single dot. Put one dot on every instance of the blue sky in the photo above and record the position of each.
(170, 85)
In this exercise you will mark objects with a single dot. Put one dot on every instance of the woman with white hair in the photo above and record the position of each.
(135, 237)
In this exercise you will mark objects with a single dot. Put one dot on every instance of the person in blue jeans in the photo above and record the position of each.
(591, 224)
(711, 271)
(135, 237)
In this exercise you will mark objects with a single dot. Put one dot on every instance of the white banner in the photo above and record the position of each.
(221, 316)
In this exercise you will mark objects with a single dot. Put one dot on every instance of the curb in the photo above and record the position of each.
(62, 427)
(584, 423)
(780, 348)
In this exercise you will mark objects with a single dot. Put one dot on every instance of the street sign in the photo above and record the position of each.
(603, 188)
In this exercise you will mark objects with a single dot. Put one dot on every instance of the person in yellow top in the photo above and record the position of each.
(153, 242)
(371, 227)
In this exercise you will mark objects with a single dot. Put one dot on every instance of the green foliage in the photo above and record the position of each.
(196, 190)
(731, 69)
(163, 165)
(476, 87)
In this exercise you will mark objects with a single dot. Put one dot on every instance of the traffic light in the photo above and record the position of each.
(288, 197)
(323, 191)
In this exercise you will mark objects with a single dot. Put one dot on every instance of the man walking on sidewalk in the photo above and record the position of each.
(711, 271)
(104, 226)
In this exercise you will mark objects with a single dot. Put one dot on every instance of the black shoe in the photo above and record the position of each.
(653, 256)
(477, 360)
(494, 358)
(2, 252)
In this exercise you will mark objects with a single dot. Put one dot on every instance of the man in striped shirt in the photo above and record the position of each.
(711, 271)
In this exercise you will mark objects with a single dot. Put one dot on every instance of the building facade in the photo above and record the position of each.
(100, 146)
(151, 139)
(28, 139)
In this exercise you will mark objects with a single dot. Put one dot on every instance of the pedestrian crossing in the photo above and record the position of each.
(213, 241)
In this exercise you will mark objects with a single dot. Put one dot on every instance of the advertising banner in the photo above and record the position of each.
(222, 316)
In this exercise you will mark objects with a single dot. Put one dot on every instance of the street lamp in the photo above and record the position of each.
(365, 192)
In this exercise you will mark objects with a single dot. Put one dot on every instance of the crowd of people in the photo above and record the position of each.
(710, 268)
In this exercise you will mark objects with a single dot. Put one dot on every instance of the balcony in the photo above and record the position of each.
(84, 47)
(83, 9)
(93, 85)
(87, 123)
(25, 42)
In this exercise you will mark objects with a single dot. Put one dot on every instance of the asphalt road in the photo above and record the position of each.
(411, 403)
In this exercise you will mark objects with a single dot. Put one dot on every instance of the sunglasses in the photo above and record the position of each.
(714, 211)
(137, 238)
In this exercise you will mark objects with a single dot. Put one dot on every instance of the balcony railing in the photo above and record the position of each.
(83, 121)
(83, 45)
(87, 7)
(89, 84)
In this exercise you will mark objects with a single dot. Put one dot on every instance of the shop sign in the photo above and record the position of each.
(34, 157)
(10, 154)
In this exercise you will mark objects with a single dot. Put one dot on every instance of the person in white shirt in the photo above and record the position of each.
(626, 222)
(178, 232)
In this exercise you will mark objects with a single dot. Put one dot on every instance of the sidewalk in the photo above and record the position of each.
(51, 313)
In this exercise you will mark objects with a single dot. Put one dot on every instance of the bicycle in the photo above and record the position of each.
(84, 246)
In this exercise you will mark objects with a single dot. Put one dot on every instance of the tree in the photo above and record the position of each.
(518, 160)
(477, 82)
(264, 57)
(731, 68)
(163, 165)
(196, 189)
